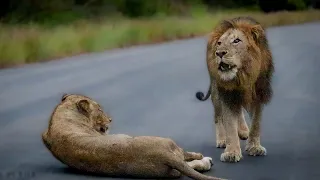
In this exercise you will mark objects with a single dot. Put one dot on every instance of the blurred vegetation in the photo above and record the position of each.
(37, 30)
(60, 11)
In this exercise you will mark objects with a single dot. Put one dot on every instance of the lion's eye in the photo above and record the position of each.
(236, 40)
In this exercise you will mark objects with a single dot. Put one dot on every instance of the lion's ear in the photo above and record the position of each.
(257, 32)
(84, 107)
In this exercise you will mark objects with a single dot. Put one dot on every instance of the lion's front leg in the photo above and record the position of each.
(253, 146)
(230, 120)
(220, 131)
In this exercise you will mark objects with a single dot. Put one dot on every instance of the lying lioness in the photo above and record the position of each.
(78, 137)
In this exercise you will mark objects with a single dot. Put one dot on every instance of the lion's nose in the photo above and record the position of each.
(221, 53)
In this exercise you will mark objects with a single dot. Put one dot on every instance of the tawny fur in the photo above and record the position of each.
(242, 43)
(78, 137)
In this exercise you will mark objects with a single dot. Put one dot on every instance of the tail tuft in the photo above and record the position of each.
(200, 96)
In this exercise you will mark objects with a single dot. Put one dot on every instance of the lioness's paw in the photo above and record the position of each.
(221, 144)
(256, 150)
(206, 164)
(197, 155)
(189, 156)
(230, 157)
(208, 160)
(243, 134)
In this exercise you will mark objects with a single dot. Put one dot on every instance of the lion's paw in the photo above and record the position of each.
(256, 150)
(221, 144)
(243, 134)
(231, 157)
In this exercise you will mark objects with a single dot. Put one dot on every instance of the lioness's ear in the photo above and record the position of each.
(64, 96)
(83, 107)
(257, 32)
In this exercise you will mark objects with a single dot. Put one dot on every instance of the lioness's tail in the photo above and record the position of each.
(200, 95)
(185, 169)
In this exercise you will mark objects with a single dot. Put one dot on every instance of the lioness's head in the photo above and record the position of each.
(97, 118)
(235, 51)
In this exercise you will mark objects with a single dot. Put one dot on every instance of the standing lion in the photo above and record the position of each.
(78, 137)
(240, 67)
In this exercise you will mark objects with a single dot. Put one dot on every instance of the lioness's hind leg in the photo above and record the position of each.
(190, 156)
(253, 146)
(174, 174)
(243, 130)
(204, 164)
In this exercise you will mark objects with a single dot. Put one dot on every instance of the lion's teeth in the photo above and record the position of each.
(229, 67)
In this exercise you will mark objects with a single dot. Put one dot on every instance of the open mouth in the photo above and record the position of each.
(225, 67)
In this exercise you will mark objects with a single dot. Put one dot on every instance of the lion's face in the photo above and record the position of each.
(98, 119)
(230, 52)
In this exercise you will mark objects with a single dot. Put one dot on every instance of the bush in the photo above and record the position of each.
(272, 5)
(39, 11)
(138, 8)
(315, 4)
(279, 5)
(296, 5)
(230, 3)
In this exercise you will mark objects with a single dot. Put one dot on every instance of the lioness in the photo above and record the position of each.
(240, 67)
(78, 137)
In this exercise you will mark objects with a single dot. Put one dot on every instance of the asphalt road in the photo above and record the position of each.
(150, 90)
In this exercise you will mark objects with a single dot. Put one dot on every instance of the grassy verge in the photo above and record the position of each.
(34, 43)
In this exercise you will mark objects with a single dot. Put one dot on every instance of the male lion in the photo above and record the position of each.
(78, 137)
(240, 67)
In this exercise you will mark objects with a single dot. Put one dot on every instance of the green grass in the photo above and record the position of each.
(34, 43)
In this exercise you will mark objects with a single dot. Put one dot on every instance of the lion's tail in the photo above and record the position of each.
(185, 169)
(200, 95)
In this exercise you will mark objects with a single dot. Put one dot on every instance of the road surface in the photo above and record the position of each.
(150, 90)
